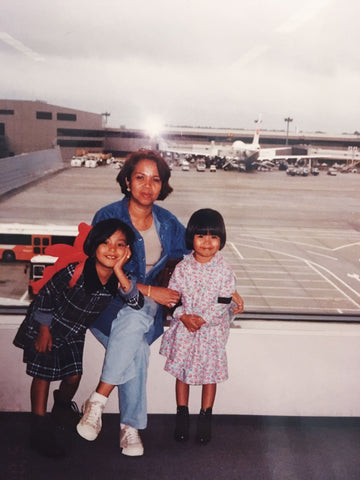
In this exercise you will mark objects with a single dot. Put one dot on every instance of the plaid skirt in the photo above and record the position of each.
(57, 364)
(65, 358)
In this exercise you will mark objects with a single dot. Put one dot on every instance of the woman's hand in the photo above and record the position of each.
(164, 296)
(239, 303)
(192, 322)
(43, 342)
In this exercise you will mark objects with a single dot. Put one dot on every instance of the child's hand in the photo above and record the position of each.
(122, 259)
(239, 308)
(118, 268)
(192, 322)
(43, 342)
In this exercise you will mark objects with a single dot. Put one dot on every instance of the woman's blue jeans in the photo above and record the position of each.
(127, 358)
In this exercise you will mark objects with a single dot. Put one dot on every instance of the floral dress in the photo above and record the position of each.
(198, 358)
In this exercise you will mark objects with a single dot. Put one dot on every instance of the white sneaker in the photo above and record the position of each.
(130, 441)
(90, 424)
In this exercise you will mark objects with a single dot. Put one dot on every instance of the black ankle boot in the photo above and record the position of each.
(43, 439)
(182, 424)
(203, 433)
(65, 414)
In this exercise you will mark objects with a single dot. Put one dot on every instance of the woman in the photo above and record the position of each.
(159, 236)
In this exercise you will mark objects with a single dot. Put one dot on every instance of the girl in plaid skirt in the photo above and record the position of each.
(53, 332)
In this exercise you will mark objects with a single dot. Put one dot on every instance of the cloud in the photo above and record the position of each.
(197, 62)
(20, 47)
(303, 15)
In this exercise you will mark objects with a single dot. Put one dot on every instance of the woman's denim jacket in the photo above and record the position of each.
(172, 237)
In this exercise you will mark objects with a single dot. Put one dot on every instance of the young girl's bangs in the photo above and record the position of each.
(207, 230)
(205, 222)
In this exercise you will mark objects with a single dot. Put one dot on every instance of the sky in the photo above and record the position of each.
(202, 63)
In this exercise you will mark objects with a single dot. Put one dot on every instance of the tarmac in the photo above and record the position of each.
(293, 242)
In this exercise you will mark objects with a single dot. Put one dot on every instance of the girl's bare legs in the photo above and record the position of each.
(39, 393)
(182, 393)
(68, 388)
(182, 423)
(208, 395)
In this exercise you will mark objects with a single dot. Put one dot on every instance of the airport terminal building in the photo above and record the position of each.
(30, 126)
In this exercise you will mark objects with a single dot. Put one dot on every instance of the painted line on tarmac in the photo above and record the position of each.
(335, 286)
(323, 255)
(236, 251)
(24, 297)
(317, 268)
(347, 246)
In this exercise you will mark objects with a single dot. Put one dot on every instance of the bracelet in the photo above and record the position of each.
(149, 291)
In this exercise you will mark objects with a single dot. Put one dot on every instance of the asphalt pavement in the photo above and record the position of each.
(293, 242)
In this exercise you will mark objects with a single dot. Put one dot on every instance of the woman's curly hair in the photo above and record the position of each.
(129, 166)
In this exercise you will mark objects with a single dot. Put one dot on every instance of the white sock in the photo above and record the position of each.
(123, 425)
(97, 397)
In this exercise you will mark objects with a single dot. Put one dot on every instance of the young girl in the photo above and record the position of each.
(53, 332)
(196, 352)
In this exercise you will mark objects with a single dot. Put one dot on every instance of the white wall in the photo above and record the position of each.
(276, 368)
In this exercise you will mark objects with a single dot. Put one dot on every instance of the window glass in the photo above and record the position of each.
(264, 94)
(69, 117)
(44, 115)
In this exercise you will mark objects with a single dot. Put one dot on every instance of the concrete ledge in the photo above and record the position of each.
(275, 368)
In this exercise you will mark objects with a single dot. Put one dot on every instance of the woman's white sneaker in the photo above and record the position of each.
(130, 441)
(90, 424)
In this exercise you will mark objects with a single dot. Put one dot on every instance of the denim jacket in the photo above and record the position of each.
(172, 237)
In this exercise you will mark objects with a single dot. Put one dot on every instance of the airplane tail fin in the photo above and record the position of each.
(214, 149)
(256, 138)
(163, 146)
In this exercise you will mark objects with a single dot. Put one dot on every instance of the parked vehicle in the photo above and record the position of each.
(23, 241)
(91, 163)
(77, 161)
(185, 167)
(200, 165)
(38, 263)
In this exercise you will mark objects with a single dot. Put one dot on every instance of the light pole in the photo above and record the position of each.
(106, 115)
(287, 120)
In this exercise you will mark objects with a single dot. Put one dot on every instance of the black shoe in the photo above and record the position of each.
(182, 424)
(203, 432)
(65, 414)
(43, 439)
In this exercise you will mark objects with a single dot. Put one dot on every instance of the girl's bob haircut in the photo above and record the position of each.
(205, 222)
(129, 166)
(102, 231)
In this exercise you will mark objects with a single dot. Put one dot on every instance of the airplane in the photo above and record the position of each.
(240, 155)
(246, 157)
